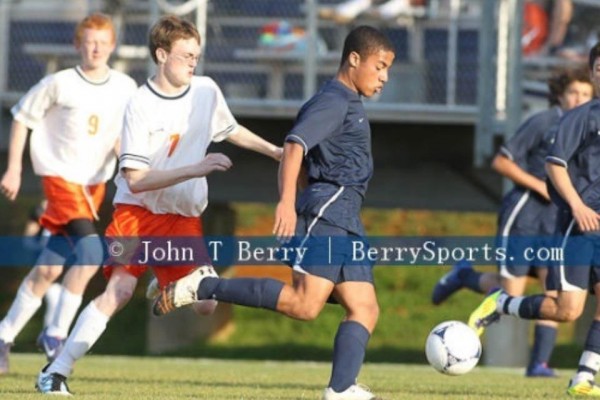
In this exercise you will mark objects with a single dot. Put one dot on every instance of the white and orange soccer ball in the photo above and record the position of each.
(453, 348)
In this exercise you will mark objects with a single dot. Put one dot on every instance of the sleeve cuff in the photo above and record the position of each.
(28, 120)
(506, 153)
(225, 133)
(133, 161)
(557, 161)
(297, 139)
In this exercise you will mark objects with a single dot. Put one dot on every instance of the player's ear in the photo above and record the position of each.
(161, 55)
(354, 59)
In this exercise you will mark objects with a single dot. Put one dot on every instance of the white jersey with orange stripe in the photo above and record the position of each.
(164, 132)
(75, 122)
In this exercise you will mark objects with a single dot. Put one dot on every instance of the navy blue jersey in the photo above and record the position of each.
(334, 131)
(577, 148)
(531, 144)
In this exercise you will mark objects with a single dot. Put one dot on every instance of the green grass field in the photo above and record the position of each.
(116, 377)
(406, 318)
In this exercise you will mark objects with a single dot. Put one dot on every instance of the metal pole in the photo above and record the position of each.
(514, 73)
(4, 48)
(484, 130)
(201, 26)
(514, 69)
(4, 43)
(310, 62)
(154, 15)
(452, 53)
(502, 57)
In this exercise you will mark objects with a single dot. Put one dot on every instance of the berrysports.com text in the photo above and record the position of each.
(431, 252)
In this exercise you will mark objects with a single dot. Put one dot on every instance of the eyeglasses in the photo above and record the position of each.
(188, 58)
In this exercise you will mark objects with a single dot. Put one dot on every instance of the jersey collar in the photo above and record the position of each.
(91, 81)
(162, 95)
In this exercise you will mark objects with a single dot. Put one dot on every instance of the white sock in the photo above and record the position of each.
(51, 299)
(20, 312)
(582, 377)
(65, 314)
(591, 361)
(89, 327)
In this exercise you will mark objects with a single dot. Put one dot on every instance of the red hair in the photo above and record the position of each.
(96, 21)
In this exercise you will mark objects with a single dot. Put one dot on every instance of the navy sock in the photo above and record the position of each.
(543, 343)
(592, 345)
(348, 354)
(251, 292)
(470, 279)
(530, 306)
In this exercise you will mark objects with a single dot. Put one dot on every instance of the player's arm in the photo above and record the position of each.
(143, 180)
(247, 139)
(289, 170)
(11, 181)
(587, 219)
(511, 170)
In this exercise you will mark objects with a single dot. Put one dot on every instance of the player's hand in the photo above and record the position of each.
(587, 219)
(10, 184)
(544, 192)
(277, 153)
(213, 162)
(285, 222)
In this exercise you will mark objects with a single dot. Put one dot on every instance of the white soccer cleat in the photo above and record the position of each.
(181, 292)
(153, 289)
(354, 392)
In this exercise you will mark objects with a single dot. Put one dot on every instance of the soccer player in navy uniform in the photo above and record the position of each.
(573, 166)
(526, 210)
(331, 138)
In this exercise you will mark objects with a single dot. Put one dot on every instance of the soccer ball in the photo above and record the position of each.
(453, 348)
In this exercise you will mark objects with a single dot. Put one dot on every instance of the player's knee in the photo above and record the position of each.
(373, 311)
(311, 313)
(48, 273)
(307, 311)
(116, 298)
(83, 274)
(123, 295)
(367, 313)
(568, 314)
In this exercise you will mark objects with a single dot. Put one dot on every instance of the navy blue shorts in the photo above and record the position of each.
(328, 223)
(525, 221)
(580, 269)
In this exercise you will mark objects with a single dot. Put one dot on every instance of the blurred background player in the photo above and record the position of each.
(346, 11)
(526, 211)
(76, 116)
(161, 186)
(331, 138)
(573, 167)
(35, 238)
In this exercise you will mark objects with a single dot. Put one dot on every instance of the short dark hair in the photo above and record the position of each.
(594, 53)
(365, 40)
(558, 83)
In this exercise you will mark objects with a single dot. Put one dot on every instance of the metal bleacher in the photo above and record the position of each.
(434, 78)
(418, 89)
